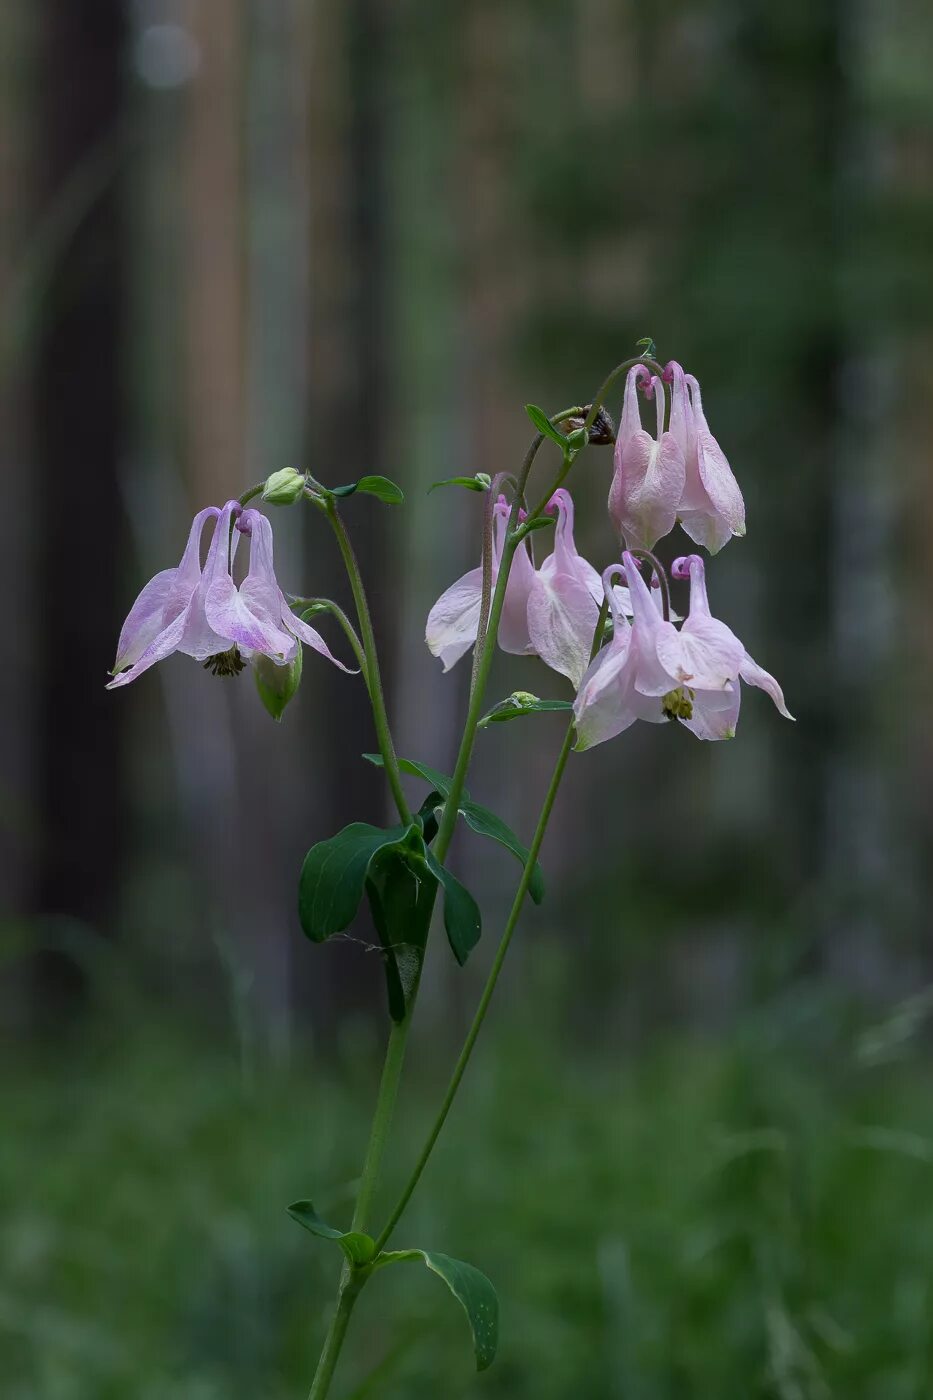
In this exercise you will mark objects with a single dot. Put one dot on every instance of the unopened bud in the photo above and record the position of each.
(284, 488)
(277, 684)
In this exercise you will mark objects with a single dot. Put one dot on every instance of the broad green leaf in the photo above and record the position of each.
(473, 1292)
(522, 702)
(397, 886)
(378, 486)
(358, 1248)
(544, 425)
(480, 819)
(334, 873)
(480, 482)
(462, 919)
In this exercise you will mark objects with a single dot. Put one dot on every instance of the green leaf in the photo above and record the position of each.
(379, 486)
(480, 482)
(478, 818)
(544, 425)
(334, 873)
(462, 919)
(473, 1292)
(522, 702)
(647, 347)
(395, 888)
(358, 1248)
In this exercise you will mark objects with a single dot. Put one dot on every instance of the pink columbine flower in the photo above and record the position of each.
(648, 481)
(621, 683)
(564, 599)
(706, 649)
(711, 508)
(190, 610)
(454, 619)
(652, 670)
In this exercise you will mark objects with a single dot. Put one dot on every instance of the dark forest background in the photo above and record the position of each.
(694, 1151)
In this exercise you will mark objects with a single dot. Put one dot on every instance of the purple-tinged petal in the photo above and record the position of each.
(144, 620)
(704, 655)
(158, 649)
(311, 638)
(714, 491)
(454, 619)
(756, 675)
(648, 481)
(248, 616)
(513, 633)
(606, 702)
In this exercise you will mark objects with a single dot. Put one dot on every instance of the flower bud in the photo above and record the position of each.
(277, 684)
(284, 488)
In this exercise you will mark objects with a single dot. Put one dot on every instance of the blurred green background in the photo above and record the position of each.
(695, 1148)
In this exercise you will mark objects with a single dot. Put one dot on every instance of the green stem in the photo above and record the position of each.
(373, 677)
(349, 1292)
(464, 1057)
(303, 604)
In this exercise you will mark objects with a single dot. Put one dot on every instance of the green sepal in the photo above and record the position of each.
(522, 702)
(544, 425)
(478, 818)
(379, 486)
(472, 1290)
(480, 482)
(358, 1247)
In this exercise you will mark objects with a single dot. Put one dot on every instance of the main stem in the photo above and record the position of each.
(490, 987)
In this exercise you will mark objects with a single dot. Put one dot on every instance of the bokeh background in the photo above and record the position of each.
(695, 1148)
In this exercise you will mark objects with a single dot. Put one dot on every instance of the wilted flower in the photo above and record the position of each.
(648, 481)
(203, 614)
(711, 508)
(453, 621)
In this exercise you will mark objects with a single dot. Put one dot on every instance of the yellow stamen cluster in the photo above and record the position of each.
(678, 704)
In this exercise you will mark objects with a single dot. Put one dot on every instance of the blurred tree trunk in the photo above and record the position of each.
(349, 403)
(78, 416)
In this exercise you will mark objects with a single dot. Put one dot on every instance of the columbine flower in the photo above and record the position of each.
(454, 619)
(189, 609)
(711, 508)
(648, 481)
(706, 648)
(564, 599)
(622, 683)
(652, 670)
(255, 618)
(169, 615)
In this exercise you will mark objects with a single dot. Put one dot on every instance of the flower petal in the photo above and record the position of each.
(606, 703)
(159, 648)
(144, 619)
(562, 617)
(454, 619)
(311, 638)
(715, 716)
(249, 616)
(756, 675)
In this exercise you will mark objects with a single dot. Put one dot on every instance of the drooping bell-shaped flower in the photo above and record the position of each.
(711, 508)
(256, 618)
(621, 684)
(564, 599)
(705, 651)
(648, 479)
(201, 612)
(169, 615)
(453, 621)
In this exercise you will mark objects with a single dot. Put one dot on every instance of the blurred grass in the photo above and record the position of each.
(726, 1220)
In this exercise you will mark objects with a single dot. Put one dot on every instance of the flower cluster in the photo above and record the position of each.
(650, 669)
(201, 612)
